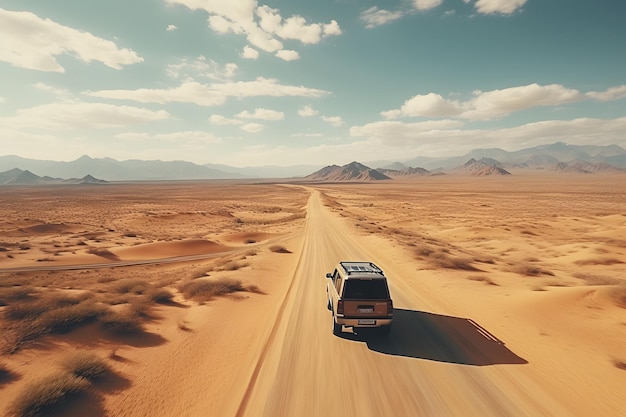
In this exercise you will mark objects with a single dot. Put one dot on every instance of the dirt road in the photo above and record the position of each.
(432, 364)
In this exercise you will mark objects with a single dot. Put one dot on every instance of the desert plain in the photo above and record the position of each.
(208, 298)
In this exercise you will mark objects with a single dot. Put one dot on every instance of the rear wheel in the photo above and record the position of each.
(337, 328)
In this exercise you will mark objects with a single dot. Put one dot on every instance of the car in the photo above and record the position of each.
(358, 298)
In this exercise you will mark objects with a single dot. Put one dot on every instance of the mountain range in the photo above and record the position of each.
(554, 157)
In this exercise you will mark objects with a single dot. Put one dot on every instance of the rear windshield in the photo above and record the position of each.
(362, 289)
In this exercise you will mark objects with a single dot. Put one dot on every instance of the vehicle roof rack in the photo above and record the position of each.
(360, 267)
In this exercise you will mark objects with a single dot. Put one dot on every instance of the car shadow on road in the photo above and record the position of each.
(436, 337)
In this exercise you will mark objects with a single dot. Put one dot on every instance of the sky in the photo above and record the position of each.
(279, 82)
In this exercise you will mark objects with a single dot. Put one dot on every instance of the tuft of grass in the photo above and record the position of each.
(130, 286)
(86, 365)
(482, 278)
(530, 270)
(279, 249)
(122, 322)
(43, 396)
(597, 279)
(13, 294)
(161, 296)
(619, 364)
(205, 289)
(445, 260)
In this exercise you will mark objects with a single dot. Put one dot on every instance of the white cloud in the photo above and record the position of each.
(190, 135)
(375, 17)
(307, 111)
(80, 115)
(201, 67)
(31, 42)
(613, 93)
(486, 105)
(332, 28)
(498, 6)
(59, 92)
(171, 28)
(307, 135)
(333, 120)
(260, 24)
(451, 139)
(210, 94)
(252, 127)
(262, 114)
(220, 120)
(288, 55)
(249, 53)
(423, 5)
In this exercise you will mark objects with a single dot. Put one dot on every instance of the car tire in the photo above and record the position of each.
(337, 328)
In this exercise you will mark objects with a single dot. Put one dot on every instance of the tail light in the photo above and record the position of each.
(390, 308)
(340, 307)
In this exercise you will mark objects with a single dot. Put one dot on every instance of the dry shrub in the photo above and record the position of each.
(130, 286)
(122, 322)
(43, 396)
(161, 296)
(619, 364)
(597, 279)
(445, 260)
(233, 266)
(482, 278)
(599, 261)
(86, 365)
(279, 249)
(618, 294)
(204, 289)
(12, 294)
(530, 270)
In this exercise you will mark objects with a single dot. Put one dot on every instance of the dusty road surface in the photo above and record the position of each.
(432, 364)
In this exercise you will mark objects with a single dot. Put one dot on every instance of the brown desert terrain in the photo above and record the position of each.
(208, 298)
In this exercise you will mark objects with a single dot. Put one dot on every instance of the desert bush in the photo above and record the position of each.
(597, 279)
(444, 260)
(86, 365)
(67, 318)
(41, 397)
(130, 286)
(482, 278)
(34, 308)
(12, 294)
(161, 295)
(205, 289)
(279, 249)
(619, 364)
(529, 270)
(122, 322)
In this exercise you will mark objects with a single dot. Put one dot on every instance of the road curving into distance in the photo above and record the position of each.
(432, 364)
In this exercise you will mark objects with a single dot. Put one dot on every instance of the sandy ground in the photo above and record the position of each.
(509, 294)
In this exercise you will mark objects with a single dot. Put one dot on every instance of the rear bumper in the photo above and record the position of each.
(354, 321)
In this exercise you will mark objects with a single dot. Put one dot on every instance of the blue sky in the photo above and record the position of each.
(251, 83)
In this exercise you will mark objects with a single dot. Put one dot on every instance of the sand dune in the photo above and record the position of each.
(504, 307)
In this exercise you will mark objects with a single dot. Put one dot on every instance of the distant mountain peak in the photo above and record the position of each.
(354, 171)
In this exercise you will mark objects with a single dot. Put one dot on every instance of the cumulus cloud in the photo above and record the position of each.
(249, 53)
(374, 16)
(307, 111)
(486, 105)
(171, 28)
(252, 127)
(288, 55)
(210, 94)
(262, 114)
(333, 120)
(451, 138)
(504, 7)
(613, 93)
(423, 5)
(79, 115)
(217, 119)
(201, 67)
(31, 42)
(261, 25)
